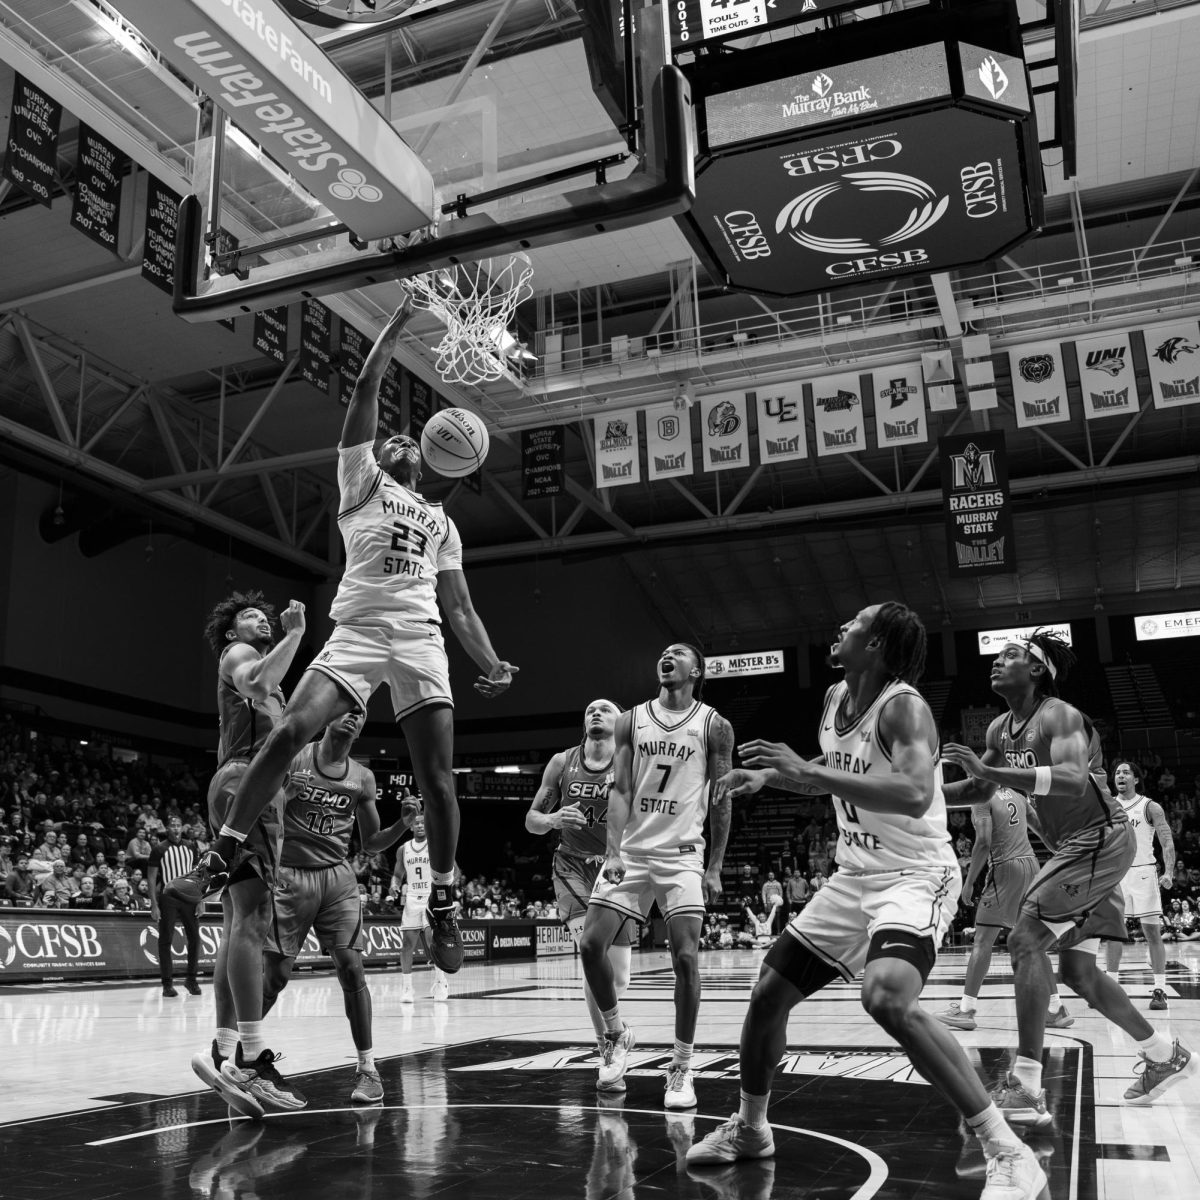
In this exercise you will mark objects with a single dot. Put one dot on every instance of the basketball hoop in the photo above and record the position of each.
(476, 302)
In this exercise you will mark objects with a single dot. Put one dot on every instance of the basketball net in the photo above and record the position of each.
(476, 302)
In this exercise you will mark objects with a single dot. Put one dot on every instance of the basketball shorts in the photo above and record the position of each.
(1077, 893)
(413, 916)
(1000, 901)
(673, 882)
(409, 656)
(574, 879)
(260, 851)
(1139, 891)
(324, 900)
(839, 921)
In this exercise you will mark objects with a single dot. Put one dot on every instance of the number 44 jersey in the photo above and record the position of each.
(319, 816)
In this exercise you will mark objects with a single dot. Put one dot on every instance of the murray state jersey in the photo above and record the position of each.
(589, 789)
(396, 543)
(1055, 819)
(417, 873)
(319, 818)
(670, 781)
(245, 723)
(874, 841)
(1143, 828)
(1010, 826)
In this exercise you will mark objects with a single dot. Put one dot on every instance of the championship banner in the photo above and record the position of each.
(31, 155)
(1106, 379)
(838, 415)
(724, 432)
(978, 507)
(1039, 384)
(422, 403)
(352, 352)
(158, 248)
(271, 331)
(390, 423)
(96, 206)
(1173, 360)
(668, 442)
(316, 327)
(782, 435)
(542, 452)
(899, 397)
(617, 451)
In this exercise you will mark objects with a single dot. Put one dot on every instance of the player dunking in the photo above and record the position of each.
(412, 868)
(669, 753)
(573, 799)
(885, 910)
(403, 557)
(1041, 747)
(1140, 887)
(327, 794)
(249, 703)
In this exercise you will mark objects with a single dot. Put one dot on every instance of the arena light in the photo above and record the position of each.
(1154, 627)
(506, 769)
(991, 640)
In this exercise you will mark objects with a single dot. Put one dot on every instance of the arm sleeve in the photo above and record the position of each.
(358, 474)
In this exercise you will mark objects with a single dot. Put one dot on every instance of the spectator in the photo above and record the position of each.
(1166, 783)
(60, 883)
(81, 853)
(759, 927)
(49, 851)
(20, 886)
(138, 850)
(795, 893)
(818, 881)
(121, 900)
(86, 896)
(772, 899)
(141, 896)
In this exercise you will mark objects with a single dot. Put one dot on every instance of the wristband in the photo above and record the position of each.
(1041, 781)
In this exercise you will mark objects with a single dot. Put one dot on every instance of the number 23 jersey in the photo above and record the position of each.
(873, 841)
(396, 543)
(318, 819)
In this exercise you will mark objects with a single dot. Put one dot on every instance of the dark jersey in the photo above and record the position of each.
(319, 818)
(245, 723)
(580, 784)
(1055, 819)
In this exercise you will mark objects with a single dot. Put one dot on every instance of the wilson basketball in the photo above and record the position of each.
(454, 443)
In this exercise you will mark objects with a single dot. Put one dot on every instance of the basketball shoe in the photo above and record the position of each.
(611, 1076)
(209, 875)
(1018, 1104)
(958, 1017)
(208, 1068)
(732, 1141)
(1013, 1173)
(406, 990)
(1059, 1019)
(261, 1079)
(1158, 1000)
(679, 1090)
(440, 988)
(445, 939)
(1151, 1079)
(368, 1087)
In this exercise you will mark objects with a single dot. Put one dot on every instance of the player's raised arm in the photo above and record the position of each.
(257, 676)
(373, 838)
(543, 815)
(362, 414)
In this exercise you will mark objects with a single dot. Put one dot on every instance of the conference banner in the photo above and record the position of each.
(782, 434)
(542, 453)
(96, 204)
(724, 432)
(1173, 363)
(31, 154)
(316, 329)
(1039, 384)
(838, 415)
(1106, 378)
(899, 396)
(668, 442)
(158, 246)
(271, 332)
(618, 454)
(978, 507)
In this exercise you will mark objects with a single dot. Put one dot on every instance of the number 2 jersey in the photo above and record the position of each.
(580, 784)
(669, 796)
(319, 818)
(874, 841)
(396, 543)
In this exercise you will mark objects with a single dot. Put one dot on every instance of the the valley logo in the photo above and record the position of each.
(1036, 368)
(993, 77)
(1170, 350)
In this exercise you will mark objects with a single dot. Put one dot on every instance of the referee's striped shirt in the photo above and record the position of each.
(172, 860)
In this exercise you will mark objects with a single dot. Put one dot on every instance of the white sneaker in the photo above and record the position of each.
(406, 994)
(611, 1076)
(732, 1141)
(1013, 1173)
(680, 1091)
(440, 989)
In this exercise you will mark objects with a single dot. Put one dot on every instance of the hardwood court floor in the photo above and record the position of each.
(492, 1094)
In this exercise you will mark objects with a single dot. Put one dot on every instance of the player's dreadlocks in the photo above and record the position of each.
(1054, 654)
(223, 617)
(902, 639)
(699, 684)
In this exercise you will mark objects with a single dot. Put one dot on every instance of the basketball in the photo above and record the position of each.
(454, 443)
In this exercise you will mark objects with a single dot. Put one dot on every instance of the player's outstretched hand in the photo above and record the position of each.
(711, 887)
(409, 811)
(613, 869)
(740, 782)
(497, 680)
(964, 757)
(778, 756)
(292, 617)
(570, 816)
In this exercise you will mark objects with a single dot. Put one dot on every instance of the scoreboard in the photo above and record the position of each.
(694, 22)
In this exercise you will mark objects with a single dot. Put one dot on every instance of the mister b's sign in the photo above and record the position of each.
(913, 194)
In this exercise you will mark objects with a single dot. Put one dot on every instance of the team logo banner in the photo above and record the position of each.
(724, 435)
(1106, 375)
(1039, 385)
(978, 508)
(668, 442)
(617, 450)
(838, 426)
(781, 429)
(1173, 360)
(899, 406)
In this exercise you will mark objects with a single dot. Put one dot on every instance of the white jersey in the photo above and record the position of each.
(670, 781)
(872, 841)
(396, 543)
(418, 874)
(1143, 828)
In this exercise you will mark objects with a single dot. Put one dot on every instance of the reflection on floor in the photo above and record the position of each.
(493, 1095)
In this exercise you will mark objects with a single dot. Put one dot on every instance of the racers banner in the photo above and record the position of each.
(977, 503)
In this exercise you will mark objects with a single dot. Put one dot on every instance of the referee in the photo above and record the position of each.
(168, 860)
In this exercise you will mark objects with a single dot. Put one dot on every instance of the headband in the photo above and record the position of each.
(1040, 655)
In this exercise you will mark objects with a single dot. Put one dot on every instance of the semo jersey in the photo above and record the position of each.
(580, 784)
(873, 841)
(1010, 826)
(319, 818)
(396, 543)
(245, 723)
(670, 785)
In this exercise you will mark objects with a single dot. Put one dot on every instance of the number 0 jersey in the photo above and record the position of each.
(873, 841)
(319, 819)
(396, 543)
(670, 785)
(581, 785)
